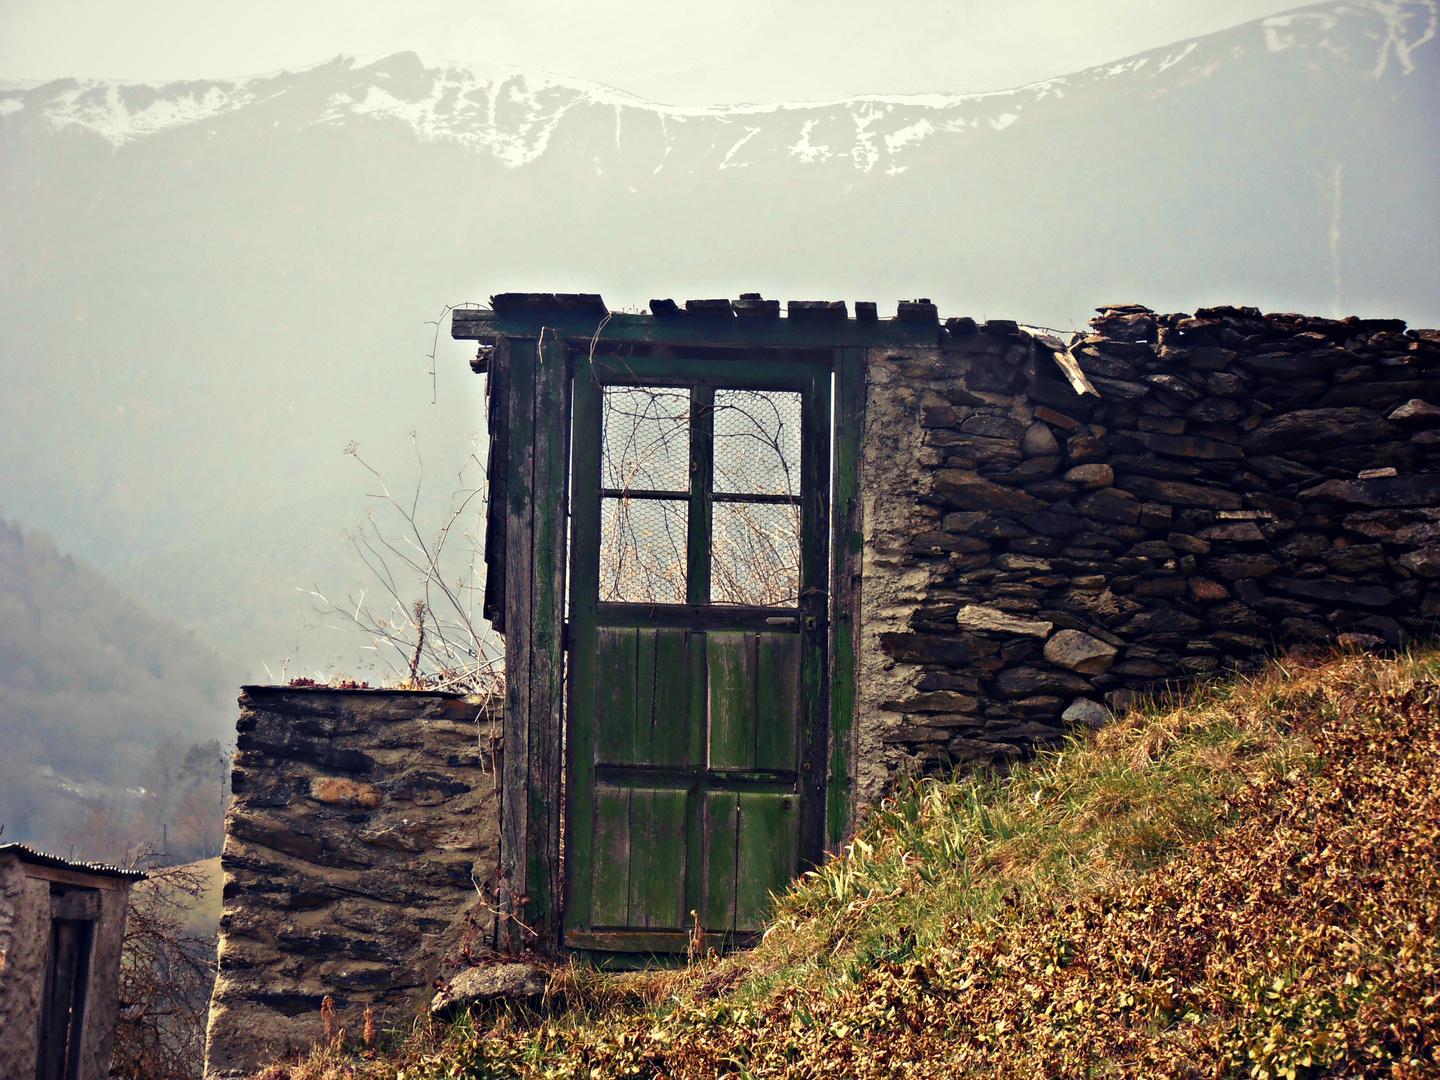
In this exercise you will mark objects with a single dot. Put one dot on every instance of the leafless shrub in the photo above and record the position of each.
(427, 630)
(166, 975)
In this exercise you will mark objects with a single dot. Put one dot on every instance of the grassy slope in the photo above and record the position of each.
(1247, 884)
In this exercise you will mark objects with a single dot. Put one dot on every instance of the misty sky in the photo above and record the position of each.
(677, 52)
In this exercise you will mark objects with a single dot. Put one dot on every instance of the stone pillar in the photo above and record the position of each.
(360, 851)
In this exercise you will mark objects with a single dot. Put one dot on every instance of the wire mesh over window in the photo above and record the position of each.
(755, 554)
(757, 442)
(642, 550)
(645, 438)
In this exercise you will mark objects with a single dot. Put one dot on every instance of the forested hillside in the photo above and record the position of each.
(111, 718)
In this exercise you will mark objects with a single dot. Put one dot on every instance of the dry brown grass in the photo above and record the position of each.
(1245, 884)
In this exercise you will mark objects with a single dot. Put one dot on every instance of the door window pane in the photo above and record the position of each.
(642, 550)
(645, 438)
(755, 554)
(757, 442)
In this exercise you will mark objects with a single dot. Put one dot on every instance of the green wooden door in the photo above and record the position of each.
(696, 733)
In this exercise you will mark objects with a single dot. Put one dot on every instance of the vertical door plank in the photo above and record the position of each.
(731, 660)
(815, 603)
(497, 465)
(777, 701)
(847, 529)
(674, 719)
(610, 882)
(547, 636)
(645, 675)
(519, 559)
(766, 856)
(718, 912)
(585, 660)
(657, 858)
(615, 694)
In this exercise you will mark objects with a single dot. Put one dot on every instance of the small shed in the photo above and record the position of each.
(62, 925)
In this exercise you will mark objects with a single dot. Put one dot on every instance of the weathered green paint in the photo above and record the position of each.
(778, 660)
(732, 700)
(657, 859)
(849, 413)
(721, 833)
(767, 857)
(610, 886)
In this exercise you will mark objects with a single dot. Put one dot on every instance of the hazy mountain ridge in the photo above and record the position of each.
(91, 685)
(515, 115)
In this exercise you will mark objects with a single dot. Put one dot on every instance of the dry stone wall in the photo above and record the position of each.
(1039, 551)
(360, 854)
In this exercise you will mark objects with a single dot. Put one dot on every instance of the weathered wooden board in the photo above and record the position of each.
(845, 579)
(580, 330)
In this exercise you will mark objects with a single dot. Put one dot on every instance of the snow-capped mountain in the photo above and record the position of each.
(209, 287)
(514, 115)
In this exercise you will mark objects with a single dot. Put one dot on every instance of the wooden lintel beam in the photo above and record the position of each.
(579, 329)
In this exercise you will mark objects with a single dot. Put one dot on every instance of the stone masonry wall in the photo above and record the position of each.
(1035, 556)
(361, 841)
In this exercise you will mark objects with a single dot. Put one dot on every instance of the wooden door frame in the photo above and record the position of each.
(531, 397)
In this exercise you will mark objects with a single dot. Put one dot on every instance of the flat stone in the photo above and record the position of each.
(1425, 562)
(1360, 642)
(1047, 523)
(1415, 413)
(1110, 504)
(970, 491)
(1285, 365)
(1179, 493)
(1039, 705)
(1089, 713)
(947, 650)
(936, 701)
(1236, 567)
(1142, 669)
(1091, 476)
(995, 427)
(1234, 532)
(1379, 491)
(1191, 545)
(1079, 652)
(1205, 591)
(1216, 410)
(489, 983)
(1356, 559)
(976, 618)
(1120, 389)
(1191, 446)
(1025, 682)
(1210, 358)
(1318, 429)
(1162, 622)
(1338, 592)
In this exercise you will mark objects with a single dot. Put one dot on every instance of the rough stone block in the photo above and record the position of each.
(1079, 652)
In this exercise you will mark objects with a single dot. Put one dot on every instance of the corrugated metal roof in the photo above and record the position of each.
(38, 858)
